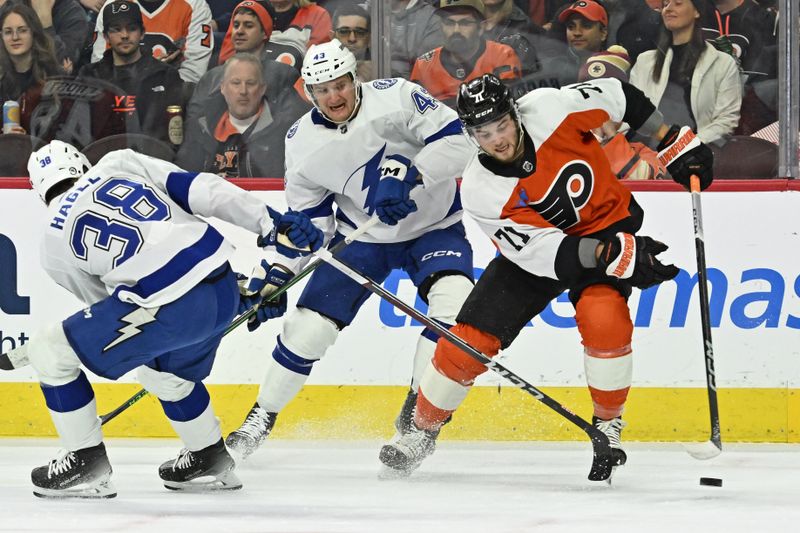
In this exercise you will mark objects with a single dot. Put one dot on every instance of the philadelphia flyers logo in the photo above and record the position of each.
(569, 192)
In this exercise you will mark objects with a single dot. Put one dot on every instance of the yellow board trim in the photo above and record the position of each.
(489, 413)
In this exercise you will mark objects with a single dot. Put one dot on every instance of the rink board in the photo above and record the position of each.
(753, 252)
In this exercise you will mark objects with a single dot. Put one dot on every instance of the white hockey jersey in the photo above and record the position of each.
(326, 163)
(128, 228)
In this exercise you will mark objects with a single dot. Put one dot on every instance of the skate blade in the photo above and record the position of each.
(223, 482)
(702, 451)
(103, 490)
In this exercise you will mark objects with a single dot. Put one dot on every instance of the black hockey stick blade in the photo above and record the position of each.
(5, 363)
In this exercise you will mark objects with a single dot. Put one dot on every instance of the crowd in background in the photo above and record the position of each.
(215, 84)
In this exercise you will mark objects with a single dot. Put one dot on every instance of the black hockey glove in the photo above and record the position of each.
(256, 290)
(633, 258)
(684, 155)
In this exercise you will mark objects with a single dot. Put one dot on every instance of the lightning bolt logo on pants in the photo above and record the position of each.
(134, 320)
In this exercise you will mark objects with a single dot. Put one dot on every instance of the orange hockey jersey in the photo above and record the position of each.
(441, 74)
(563, 186)
(172, 25)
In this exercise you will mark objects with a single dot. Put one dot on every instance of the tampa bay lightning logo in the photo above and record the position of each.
(293, 130)
(372, 175)
(384, 84)
(569, 192)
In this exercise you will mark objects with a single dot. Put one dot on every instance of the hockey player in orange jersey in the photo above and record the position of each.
(543, 191)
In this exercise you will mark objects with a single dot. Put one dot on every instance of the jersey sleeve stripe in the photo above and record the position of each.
(178, 184)
(323, 209)
(177, 267)
(453, 128)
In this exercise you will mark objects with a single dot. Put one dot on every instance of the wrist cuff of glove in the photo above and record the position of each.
(669, 137)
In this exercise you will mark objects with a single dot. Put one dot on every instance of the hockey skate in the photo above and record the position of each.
(209, 469)
(612, 429)
(406, 451)
(252, 433)
(83, 473)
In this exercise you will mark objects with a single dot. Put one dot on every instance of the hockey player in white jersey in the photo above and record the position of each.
(124, 236)
(364, 147)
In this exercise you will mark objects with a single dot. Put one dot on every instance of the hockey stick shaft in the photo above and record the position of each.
(244, 317)
(705, 315)
(599, 440)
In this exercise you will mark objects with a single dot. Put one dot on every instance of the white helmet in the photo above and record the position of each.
(329, 61)
(54, 163)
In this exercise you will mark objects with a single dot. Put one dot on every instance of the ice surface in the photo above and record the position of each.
(324, 486)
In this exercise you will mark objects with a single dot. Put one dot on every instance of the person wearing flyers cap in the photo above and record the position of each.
(586, 25)
(146, 86)
(465, 55)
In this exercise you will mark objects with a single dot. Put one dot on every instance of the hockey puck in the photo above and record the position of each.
(711, 481)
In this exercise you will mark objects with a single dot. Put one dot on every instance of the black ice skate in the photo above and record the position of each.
(612, 429)
(209, 469)
(407, 451)
(403, 421)
(252, 433)
(83, 473)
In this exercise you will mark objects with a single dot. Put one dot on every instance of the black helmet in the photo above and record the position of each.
(483, 100)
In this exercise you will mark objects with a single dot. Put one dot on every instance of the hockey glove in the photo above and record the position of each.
(293, 234)
(255, 292)
(684, 155)
(392, 202)
(633, 258)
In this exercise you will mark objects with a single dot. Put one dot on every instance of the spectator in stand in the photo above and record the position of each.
(65, 22)
(351, 25)
(629, 160)
(632, 24)
(465, 55)
(27, 57)
(688, 79)
(584, 28)
(508, 24)
(415, 30)
(176, 31)
(146, 85)
(751, 29)
(252, 30)
(304, 17)
(240, 134)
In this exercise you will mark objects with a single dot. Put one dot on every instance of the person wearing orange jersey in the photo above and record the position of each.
(465, 55)
(542, 189)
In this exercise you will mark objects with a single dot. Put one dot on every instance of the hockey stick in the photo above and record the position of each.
(602, 466)
(713, 446)
(244, 317)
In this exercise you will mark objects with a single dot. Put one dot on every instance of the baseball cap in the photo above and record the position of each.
(121, 11)
(611, 63)
(587, 9)
(477, 5)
